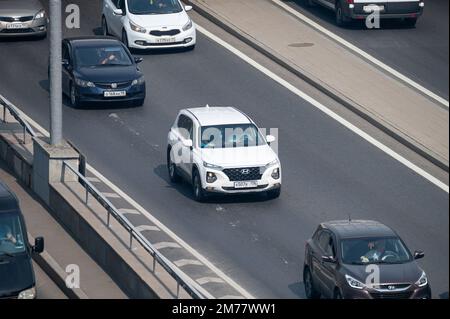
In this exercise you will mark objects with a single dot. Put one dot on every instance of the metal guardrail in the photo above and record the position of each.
(189, 285)
(7, 105)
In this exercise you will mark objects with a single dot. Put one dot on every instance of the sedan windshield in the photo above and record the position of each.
(362, 251)
(101, 56)
(11, 234)
(228, 136)
(154, 6)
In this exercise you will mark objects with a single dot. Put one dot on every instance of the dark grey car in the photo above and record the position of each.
(22, 18)
(361, 259)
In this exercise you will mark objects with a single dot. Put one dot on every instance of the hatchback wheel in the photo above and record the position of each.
(310, 290)
(341, 19)
(74, 101)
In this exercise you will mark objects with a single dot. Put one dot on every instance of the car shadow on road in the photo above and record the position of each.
(298, 289)
(328, 16)
(185, 189)
(22, 39)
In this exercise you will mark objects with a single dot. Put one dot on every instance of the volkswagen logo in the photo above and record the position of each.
(114, 85)
(391, 287)
(245, 171)
(16, 19)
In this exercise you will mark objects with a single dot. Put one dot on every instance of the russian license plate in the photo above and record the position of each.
(165, 40)
(373, 8)
(16, 26)
(115, 93)
(246, 184)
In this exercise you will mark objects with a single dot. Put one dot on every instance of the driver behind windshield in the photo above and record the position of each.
(6, 236)
(376, 250)
(107, 57)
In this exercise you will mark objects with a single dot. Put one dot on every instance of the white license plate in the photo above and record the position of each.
(16, 26)
(249, 184)
(115, 93)
(166, 40)
(373, 8)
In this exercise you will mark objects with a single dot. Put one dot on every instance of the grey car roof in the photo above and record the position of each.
(358, 228)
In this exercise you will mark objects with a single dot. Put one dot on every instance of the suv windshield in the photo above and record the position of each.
(154, 6)
(362, 251)
(11, 234)
(101, 56)
(228, 136)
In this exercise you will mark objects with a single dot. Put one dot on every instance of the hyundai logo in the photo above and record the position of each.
(390, 287)
(245, 171)
(114, 85)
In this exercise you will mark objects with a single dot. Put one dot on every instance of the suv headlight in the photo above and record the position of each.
(352, 282)
(84, 83)
(276, 173)
(28, 294)
(212, 166)
(423, 280)
(40, 15)
(137, 28)
(139, 81)
(188, 25)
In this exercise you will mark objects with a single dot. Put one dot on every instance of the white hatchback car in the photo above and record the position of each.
(221, 150)
(148, 24)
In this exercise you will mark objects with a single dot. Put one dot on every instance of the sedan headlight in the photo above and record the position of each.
(139, 81)
(137, 28)
(40, 15)
(352, 282)
(212, 166)
(84, 84)
(423, 280)
(188, 25)
(28, 294)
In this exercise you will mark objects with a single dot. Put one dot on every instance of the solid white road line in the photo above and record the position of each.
(362, 53)
(143, 228)
(185, 262)
(206, 280)
(93, 179)
(325, 110)
(166, 244)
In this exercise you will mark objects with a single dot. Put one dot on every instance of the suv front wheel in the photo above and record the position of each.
(199, 193)
(172, 167)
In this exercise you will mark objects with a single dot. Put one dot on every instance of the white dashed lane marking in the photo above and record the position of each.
(207, 280)
(185, 262)
(146, 227)
(111, 195)
(129, 211)
(166, 244)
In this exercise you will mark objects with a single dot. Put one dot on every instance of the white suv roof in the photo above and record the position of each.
(208, 116)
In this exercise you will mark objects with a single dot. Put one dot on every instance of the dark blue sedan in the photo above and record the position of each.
(101, 69)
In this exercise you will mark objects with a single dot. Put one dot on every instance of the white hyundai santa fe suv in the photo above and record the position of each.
(221, 150)
(149, 24)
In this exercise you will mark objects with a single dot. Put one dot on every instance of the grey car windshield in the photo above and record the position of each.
(382, 250)
(154, 6)
(229, 136)
(11, 234)
(101, 56)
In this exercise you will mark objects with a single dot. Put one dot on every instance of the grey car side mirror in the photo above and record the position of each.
(419, 254)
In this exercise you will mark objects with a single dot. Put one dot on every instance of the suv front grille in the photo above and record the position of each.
(19, 19)
(392, 295)
(243, 174)
(159, 33)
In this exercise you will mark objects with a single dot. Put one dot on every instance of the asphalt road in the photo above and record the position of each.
(45, 287)
(420, 53)
(329, 172)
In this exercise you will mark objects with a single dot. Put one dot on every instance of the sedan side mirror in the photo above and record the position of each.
(270, 139)
(187, 143)
(187, 8)
(329, 259)
(138, 60)
(38, 245)
(118, 12)
(419, 254)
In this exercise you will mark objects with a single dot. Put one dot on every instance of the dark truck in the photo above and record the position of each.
(17, 278)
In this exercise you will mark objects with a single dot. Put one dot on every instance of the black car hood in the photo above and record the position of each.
(394, 273)
(108, 74)
(16, 274)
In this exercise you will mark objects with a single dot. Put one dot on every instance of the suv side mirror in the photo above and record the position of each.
(270, 139)
(138, 60)
(118, 12)
(187, 143)
(419, 254)
(187, 8)
(38, 245)
(329, 259)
